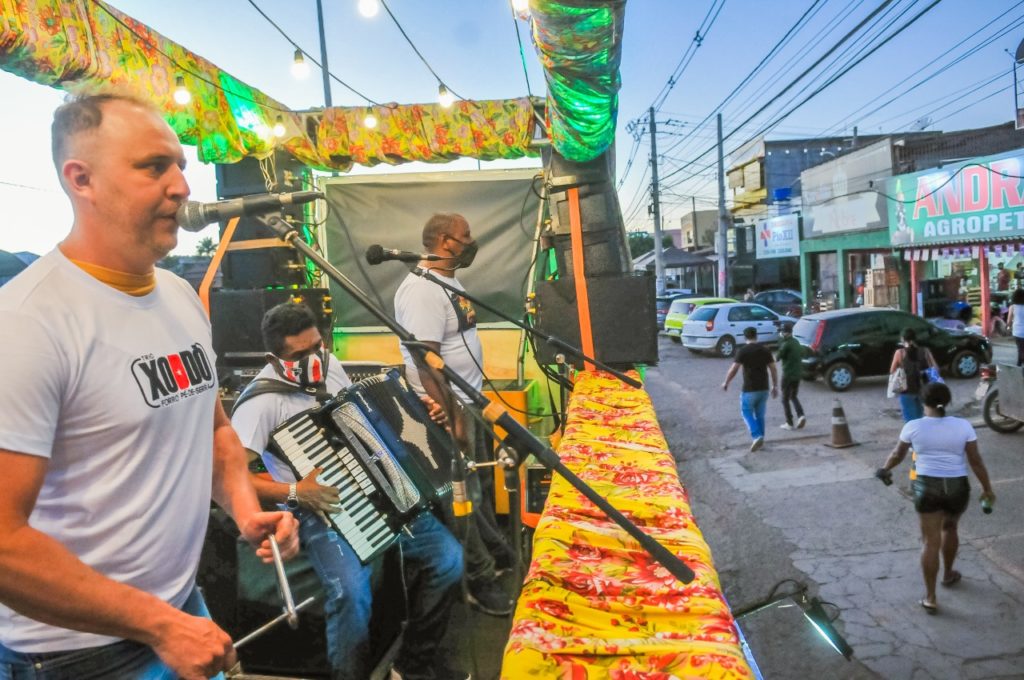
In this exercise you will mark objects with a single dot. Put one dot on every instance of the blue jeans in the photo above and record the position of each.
(124, 660)
(911, 407)
(432, 564)
(481, 536)
(752, 408)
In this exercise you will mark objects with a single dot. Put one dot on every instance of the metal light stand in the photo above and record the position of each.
(520, 437)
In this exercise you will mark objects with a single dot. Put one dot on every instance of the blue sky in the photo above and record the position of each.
(472, 46)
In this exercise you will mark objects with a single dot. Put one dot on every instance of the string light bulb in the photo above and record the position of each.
(181, 94)
(444, 97)
(300, 69)
(279, 128)
(370, 121)
(369, 8)
(521, 8)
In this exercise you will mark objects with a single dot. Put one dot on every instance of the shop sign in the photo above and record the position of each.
(778, 237)
(839, 196)
(976, 202)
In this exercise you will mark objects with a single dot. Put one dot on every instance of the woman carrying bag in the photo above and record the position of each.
(913, 362)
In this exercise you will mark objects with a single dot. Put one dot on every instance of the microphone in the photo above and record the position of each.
(376, 254)
(193, 215)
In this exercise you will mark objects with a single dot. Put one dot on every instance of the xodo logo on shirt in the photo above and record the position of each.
(165, 380)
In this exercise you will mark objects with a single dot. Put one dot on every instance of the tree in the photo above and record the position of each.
(641, 242)
(206, 247)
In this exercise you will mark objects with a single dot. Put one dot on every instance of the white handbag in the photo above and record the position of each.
(897, 383)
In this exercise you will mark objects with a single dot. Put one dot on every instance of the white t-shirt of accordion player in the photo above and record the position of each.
(256, 418)
(118, 392)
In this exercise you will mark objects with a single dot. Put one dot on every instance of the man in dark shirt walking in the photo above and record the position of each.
(757, 363)
(791, 355)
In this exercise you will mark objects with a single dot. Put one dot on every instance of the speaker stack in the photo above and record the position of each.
(622, 304)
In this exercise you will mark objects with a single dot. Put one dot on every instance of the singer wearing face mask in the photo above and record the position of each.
(298, 361)
(447, 324)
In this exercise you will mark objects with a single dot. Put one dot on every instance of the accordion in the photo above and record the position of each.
(376, 444)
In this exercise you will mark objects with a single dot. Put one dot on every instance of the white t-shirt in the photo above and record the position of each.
(118, 392)
(256, 418)
(426, 310)
(1018, 321)
(939, 444)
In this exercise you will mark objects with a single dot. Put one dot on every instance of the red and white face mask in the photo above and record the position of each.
(309, 371)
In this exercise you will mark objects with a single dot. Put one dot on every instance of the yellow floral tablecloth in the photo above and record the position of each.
(594, 604)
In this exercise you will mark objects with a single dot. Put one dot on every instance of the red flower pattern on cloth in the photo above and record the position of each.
(594, 605)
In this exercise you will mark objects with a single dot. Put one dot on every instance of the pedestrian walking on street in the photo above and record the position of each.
(757, 362)
(1015, 320)
(914, 360)
(945, 446)
(790, 355)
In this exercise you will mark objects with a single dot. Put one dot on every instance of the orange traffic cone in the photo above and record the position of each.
(841, 437)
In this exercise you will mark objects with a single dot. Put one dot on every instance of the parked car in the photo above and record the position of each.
(782, 301)
(845, 344)
(662, 302)
(681, 308)
(719, 328)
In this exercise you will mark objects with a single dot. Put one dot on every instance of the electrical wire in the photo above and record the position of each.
(522, 56)
(415, 49)
(312, 59)
(684, 61)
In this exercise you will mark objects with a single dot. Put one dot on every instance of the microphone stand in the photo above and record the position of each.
(550, 339)
(521, 437)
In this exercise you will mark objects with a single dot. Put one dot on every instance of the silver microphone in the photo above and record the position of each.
(193, 216)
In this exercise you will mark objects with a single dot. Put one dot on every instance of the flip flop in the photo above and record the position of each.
(954, 577)
(929, 607)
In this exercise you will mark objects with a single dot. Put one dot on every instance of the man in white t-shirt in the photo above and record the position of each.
(446, 323)
(431, 557)
(111, 432)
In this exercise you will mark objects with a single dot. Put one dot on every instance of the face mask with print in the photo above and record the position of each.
(309, 371)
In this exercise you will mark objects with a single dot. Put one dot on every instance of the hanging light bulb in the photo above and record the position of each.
(279, 128)
(181, 94)
(521, 8)
(369, 8)
(300, 69)
(444, 97)
(370, 121)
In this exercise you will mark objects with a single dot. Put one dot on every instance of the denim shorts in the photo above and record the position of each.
(941, 494)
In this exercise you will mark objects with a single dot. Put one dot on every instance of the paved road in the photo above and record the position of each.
(800, 510)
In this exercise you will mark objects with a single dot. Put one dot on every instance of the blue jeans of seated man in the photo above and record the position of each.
(124, 660)
(432, 561)
(911, 407)
(752, 407)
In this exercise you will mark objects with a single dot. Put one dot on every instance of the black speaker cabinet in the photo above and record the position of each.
(236, 316)
(622, 318)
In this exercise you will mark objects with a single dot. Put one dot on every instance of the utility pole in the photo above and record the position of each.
(659, 261)
(323, 53)
(723, 219)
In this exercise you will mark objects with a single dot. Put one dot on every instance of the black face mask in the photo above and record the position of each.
(466, 257)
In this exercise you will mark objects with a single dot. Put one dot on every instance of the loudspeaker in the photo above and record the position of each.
(236, 316)
(605, 247)
(622, 318)
(279, 264)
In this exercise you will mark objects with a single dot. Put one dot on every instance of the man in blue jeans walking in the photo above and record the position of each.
(757, 363)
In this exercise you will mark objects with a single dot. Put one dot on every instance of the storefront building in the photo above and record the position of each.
(846, 257)
(955, 226)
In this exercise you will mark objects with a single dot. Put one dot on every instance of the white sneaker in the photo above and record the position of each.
(786, 426)
(800, 422)
(756, 444)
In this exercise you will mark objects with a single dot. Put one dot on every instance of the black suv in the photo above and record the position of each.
(846, 343)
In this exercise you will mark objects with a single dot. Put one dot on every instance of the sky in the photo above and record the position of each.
(472, 45)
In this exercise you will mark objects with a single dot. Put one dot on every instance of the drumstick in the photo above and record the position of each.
(273, 622)
(282, 583)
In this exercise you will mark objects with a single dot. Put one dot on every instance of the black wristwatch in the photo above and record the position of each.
(293, 497)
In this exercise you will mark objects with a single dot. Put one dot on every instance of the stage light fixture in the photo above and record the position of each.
(370, 121)
(369, 8)
(279, 128)
(300, 69)
(444, 97)
(181, 94)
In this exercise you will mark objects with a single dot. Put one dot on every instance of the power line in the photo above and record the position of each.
(688, 55)
(416, 49)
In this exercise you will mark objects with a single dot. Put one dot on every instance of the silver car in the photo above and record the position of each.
(719, 328)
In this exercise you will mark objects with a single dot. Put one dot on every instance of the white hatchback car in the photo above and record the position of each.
(719, 328)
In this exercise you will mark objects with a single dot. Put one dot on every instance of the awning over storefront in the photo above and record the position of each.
(675, 258)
